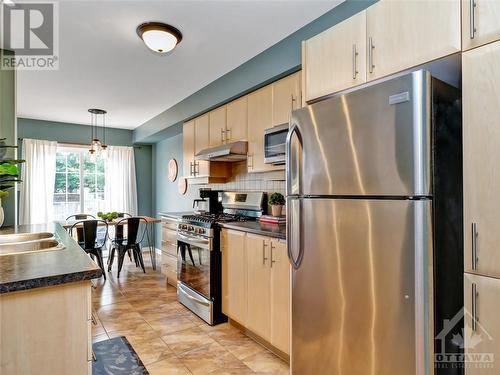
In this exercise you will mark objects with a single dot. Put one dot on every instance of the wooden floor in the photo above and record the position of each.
(169, 338)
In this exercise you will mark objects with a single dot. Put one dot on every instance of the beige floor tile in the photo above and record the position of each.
(186, 340)
(169, 366)
(209, 358)
(171, 323)
(267, 363)
(237, 343)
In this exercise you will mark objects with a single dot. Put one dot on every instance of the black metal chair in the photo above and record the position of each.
(90, 243)
(79, 231)
(129, 243)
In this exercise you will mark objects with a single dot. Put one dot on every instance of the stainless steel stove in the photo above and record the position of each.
(199, 258)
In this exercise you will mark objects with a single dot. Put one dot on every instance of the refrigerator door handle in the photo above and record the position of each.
(294, 231)
(293, 162)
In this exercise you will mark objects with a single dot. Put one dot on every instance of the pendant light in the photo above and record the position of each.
(159, 37)
(97, 147)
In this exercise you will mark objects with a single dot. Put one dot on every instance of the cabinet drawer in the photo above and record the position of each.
(169, 248)
(168, 260)
(169, 224)
(169, 235)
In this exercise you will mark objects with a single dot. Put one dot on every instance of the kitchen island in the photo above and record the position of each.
(45, 306)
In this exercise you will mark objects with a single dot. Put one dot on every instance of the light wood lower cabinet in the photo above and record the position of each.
(259, 285)
(234, 281)
(280, 295)
(169, 249)
(481, 152)
(480, 22)
(482, 328)
(256, 285)
(46, 330)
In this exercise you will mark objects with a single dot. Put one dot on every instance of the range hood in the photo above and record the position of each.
(230, 152)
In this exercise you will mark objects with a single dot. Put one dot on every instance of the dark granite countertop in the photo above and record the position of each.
(175, 215)
(45, 268)
(270, 230)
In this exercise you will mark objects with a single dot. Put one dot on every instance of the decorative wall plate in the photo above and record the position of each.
(182, 185)
(172, 170)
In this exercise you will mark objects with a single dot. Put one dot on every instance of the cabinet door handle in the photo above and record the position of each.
(272, 250)
(354, 61)
(191, 168)
(228, 134)
(474, 245)
(472, 20)
(371, 47)
(196, 168)
(264, 245)
(474, 318)
(292, 101)
(222, 137)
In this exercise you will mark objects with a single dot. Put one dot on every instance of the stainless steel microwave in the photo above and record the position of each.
(275, 144)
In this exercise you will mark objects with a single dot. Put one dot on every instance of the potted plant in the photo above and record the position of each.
(277, 201)
(9, 174)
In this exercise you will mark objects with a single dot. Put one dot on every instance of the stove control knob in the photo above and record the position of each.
(191, 228)
(201, 231)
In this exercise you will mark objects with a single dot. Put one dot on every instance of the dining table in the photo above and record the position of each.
(147, 220)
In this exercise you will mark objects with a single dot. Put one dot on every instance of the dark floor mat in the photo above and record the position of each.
(116, 357)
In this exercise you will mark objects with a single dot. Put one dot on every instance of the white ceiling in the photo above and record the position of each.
(104, 64)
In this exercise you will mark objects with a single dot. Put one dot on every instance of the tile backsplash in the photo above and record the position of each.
(243, 181)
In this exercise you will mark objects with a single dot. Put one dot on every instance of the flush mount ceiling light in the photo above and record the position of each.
(159, 37)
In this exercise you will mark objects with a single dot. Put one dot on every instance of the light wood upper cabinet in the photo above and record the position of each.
(237, 119)
(286, 98)
(258, 281)
(260, 117)
(217, 126)
(234, 282)
(280, 296)
(188, 148)
(404, 34)
(335, 59)
(201, 132)
(480, 22)
(482, 328)
(481, 152)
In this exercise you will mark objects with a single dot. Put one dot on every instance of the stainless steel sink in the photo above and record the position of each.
(28, 243)
(24, 237)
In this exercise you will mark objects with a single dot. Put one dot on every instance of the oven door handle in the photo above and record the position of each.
(186, 294)
(194, 241)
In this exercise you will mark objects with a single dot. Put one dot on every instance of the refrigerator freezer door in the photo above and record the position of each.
(371, 142)
(360, 296)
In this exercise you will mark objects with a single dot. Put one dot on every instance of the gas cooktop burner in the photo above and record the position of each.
(213, 218)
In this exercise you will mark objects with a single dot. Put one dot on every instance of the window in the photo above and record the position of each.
(79, 185)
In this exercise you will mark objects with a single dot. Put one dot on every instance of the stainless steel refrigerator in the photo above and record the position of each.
(374, 210)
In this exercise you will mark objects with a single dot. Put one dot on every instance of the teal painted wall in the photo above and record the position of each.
(166, 128)
(75, 133)
(281, 59)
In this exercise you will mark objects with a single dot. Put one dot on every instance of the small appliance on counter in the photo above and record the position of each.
(209, 202)
(199, 277)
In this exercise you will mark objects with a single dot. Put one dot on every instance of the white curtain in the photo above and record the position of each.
(38, 178)
(120, 190)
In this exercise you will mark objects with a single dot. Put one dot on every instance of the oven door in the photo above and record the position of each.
(194, 263)
(274, 144)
